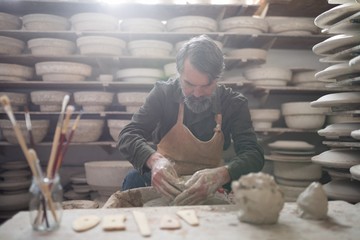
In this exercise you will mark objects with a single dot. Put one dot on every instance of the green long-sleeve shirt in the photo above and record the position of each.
(159, 114)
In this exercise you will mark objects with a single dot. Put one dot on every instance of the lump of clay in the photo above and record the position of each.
(312, 202)
(259, 198)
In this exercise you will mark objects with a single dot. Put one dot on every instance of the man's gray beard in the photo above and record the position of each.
(198, 104)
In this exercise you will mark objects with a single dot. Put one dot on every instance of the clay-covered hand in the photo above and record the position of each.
(164, 178)
(201, 185)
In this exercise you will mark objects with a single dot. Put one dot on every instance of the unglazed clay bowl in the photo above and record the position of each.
(51, 47)
(101, 45)
(178, 23)
(106, 177)
(45, 22)
(88, 130)
(11, 46)
(93, 101)
(17, 100)
(9, 21)
(233, 24)
(93, 21)
(49, 101)
(39, 130)
(115, 126)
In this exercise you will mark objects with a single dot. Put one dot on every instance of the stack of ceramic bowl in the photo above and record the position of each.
(178, 45)
(339, 131)
(244, 25)
(39, 130)
(140, 75)
(63, 71)
(301, 115)
(51, 47)
(106, 177)
(150, 48)
(92, 21)
(49, 101)
(88, 130)
(306, 78)
(15, 180)
(193, 24)
(170, 70)
(101, 45)
(292, 166)
(45, 22)
(341, 50)
(132, 100)
(142, 25)
(268, 76)
(15, 72)
(264, 118)
(17, 100)
(11, 46)
(338, 162)
(115, 126)
(9, 21)
(93, 101)
(292, 25)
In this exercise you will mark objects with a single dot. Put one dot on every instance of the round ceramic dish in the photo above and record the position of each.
(338, 173)
(356, 134)
(355, 62)
(304, 76)
(104, 45)
(93, 21)
(9, 21)
(51, 47)
(338, 158)
(17, 99)
(336, 14)
(338, 72)
(150, 48)
(291, 145)
(15, 70)
(139, 73)
(283, 24)
(336, 44)
(345, 190)
(265, 114)
(338, 130)
(297, 171)
(248, 54)
(132, 98)
(45, 22)
(93, 101)
(235, 23)
(268, 73)
(288, 158)
(142, 25)
(206, 23)
(88, 130)
(355, 172)
(115, 127)
(11, 46)
(337, 99)
(348, 25)
(49, 101)
(293, 183)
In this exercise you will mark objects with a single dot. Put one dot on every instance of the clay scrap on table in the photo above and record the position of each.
(258, 197)
(312, 202)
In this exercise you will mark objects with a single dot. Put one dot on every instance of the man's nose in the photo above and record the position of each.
(198, 92)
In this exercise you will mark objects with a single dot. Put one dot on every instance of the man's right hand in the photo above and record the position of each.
(163, 176)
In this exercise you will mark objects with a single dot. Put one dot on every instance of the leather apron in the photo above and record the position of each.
(188, 153)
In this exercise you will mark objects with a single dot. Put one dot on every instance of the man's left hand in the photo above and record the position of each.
(202, 184)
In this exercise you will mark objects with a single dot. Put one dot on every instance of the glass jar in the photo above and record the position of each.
(45, 205)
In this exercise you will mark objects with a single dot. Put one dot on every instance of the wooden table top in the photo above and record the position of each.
(216, 222)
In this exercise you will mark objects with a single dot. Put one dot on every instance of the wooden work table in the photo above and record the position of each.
(216, 222)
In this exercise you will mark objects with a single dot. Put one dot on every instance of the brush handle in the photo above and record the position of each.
(54, 148)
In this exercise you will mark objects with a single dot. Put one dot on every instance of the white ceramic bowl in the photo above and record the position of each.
(132, 98)
(11, 46)
(9, 21)
(283, 24)
(206, 23)
(51, 47)
(150, 75)
(242, 22)
(268, 73)
(106, 177)
(93, 101)
(45, 22)
(154, 48)
(248, 53)
(88, 130)
(263, 118)
(39, 130)
(291, 108)
(15, 70)
(49, 101)
(297, 170)
(92, 21)
(103, 45)
(115, 126)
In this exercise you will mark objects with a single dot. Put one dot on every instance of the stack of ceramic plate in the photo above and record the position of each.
(88, 130)
(150, 48)
(132, 100)
(10, 46)
(292, 25)
(292, 166)
(45, 22)
(101, 45)
(115, 126)
(338, 162)
(15, 180)
(9, 21)
(80, 189)
(49, 101)
(194, 24)
(93, 21)
(140, 75)
(40, 128)
(18, 100)
(142, 25)
(15, 72)
(93, 101)
(51, 47)
(341, 50)
(244, 25)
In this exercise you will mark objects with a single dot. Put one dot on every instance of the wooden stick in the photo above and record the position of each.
(55, 143)
(29, 127)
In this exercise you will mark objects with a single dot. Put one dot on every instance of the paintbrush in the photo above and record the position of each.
(56, 139)
(29, 127)
(69, 110)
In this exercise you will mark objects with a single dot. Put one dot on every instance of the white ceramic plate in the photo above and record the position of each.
(345, 190)
(337, 173)
(338, 71)
(336, 14)
(343, 56)
(338, 130)
(337, 99)
(355, 172)
(291, 145)
(347, 25)
(336, 44)
(356, 134)
(338, 158)
(355, 61)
